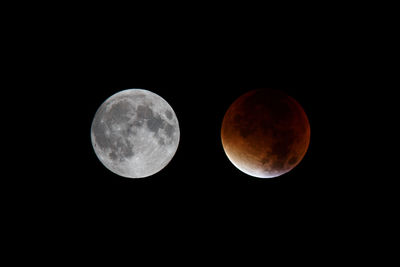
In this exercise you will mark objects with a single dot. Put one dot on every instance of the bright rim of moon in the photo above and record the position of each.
(135, 133)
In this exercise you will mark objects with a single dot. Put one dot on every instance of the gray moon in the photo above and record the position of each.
(135, 133)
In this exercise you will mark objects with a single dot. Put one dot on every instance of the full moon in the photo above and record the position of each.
(265, 133)
(135, 133)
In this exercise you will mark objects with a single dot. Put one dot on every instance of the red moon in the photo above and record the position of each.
(265, 133)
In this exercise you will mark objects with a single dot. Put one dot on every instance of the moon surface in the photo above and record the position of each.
(265, 133)
(135, 133)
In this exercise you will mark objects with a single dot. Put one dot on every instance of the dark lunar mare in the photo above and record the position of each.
(154, 121)
(168, 114)
(118, 114)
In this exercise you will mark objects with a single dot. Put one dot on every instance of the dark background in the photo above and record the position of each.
(200, 197)
(199, 59)
(200, 183)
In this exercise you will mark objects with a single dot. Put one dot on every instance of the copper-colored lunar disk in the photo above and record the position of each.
(265, 133)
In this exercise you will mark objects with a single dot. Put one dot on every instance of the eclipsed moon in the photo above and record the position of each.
(135, 133)
(265, 133)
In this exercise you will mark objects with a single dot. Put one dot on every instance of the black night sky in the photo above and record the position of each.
(200, 205)
(200, 195)
(200, 180)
